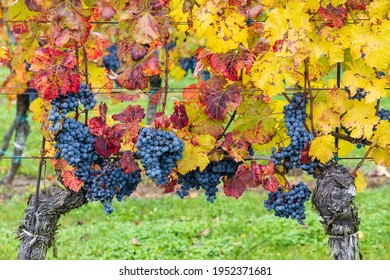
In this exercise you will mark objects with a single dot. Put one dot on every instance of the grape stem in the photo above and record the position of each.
(229, 123)
(362, 160)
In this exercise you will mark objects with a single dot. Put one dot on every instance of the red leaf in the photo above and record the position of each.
(128, 162)
(138, 51)
(70, 26)
(59, 164)
(170, 186)
(236, 185)
(160, 121)
(357, 4)
(230, 63)
(220, 100)
(53, 73)
(237, 148)
(264, 174)
(334, 16)
(271, 184)
(191, 92)
(95, 46)
(96, 126)
(71, 181)
(179, 118)
(156, 97)
(136, 76)
(305, 157)
(131, 117)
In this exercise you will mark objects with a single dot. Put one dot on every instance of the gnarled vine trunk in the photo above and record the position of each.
(333, 198)
(53, 202)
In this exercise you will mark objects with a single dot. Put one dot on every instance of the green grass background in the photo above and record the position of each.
(169, 228)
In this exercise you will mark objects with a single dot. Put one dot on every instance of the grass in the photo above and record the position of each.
(170, 228)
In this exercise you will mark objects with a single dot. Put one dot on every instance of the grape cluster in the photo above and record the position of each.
(111, 60)
(86, 97)
(159, 152)
(64, 104)
(109, 182)
(208, 179)
(294, 117)
(289, 204)
(384, 114)
(75, 144)
(188, 63)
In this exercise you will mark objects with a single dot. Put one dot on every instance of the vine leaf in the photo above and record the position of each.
(95, 45)
(70, 179)
(322, 148)
(227, 64)
(136, 76)
(237, 148)
(53, 73)
(128, 162)
(334, 16)
(360, 182)
(236, 185)
(108, 138)
(265, 174)
(70, 26)
(219, 99)
(130, 117)
(179, 118)
(196, 153)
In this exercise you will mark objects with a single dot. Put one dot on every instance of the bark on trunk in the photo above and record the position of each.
(22, 128)
(333, 198)
(155, 84)
(53, 202)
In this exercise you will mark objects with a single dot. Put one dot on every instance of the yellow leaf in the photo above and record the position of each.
(360, 182)
(338, 101)
(37, 108)
(381, 136)
(322, 148)
(196, 155)
(378, 9)
(325, 120)
(381, 156)
(345, 148)
(221, 24)
(360, 119)
(177, 73)
(98, 77)
(276, 25)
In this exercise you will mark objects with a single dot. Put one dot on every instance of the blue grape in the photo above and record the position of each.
(295, 117)
(76, 144)
(109, 182)
(64, 104)
(111, 60)
(208, 179)
(188, 63)
(289, 204)
(384, 114)
(159, 152)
